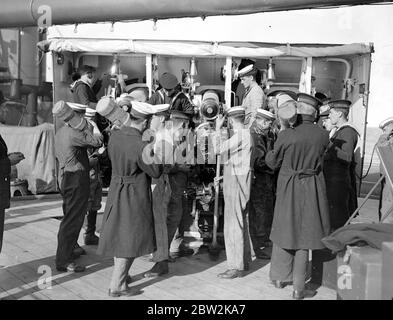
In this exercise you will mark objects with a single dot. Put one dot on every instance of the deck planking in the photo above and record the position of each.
(30, 241)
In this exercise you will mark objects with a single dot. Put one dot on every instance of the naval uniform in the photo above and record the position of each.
(177, 174)
(5, 172)
(236, 157)
(128, 227)
(179, 101)
(71, 153)
(252, 101)
(262, 188)
(301, 214)
(339, 172)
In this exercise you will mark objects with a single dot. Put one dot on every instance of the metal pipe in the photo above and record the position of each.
(19, 53)
(23, 13)
(366, 93)
(364, 200)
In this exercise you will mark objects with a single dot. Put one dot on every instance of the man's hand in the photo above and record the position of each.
(217, 182)
(15, 157)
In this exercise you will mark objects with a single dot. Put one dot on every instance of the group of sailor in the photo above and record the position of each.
(289, 178)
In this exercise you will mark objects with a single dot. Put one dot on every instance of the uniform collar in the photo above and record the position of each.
(350, 125)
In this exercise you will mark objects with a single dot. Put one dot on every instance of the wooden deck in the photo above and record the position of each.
(30, 240)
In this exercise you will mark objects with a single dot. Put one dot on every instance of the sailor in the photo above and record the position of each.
(278, 99)
(339, 165)
(128, 225)
(71, 144)
(254, 96)
(6, 161)
(178, 173)
(170, 93)
(326, 123)
(161, 190)
(181, 111)
(263, 186)
(386, 197)
(235, 153)
(95, 196)
(85, 88)
(240, 90)
(301, 214)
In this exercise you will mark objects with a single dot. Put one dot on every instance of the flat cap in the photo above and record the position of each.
(340, 104)
(236, 111)
(261, 113)
(282, 98)
(125, 100)
(141, 110)
(386, 122)
(168, 81)
(287, 112)
(274, 92)
(309, 99)
(249, 70)
(77, 107)
(64, 112)
(108, 108)
(176, 114)
(86, 69)
(161, 109)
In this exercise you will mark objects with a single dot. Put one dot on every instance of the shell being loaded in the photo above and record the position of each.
(64, 112)
(108, 108)
(210, 105)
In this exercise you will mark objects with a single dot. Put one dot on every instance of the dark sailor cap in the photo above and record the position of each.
(309, 99)
(340, 104)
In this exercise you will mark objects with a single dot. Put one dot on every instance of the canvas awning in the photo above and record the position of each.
(201, 48)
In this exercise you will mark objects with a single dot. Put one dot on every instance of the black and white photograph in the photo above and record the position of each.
(195, 157)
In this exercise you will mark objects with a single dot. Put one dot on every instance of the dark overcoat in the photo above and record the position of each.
(339, 171)
(301, 216)
(128, 226)
(5, 172)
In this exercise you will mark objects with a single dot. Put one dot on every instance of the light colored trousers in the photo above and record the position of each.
(236, 233)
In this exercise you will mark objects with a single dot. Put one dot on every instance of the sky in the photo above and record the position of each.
(368, 23)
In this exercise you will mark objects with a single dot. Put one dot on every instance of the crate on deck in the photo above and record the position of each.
(359, 274)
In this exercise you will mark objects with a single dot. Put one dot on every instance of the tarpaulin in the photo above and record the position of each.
(201, 48)
(37, 145)
(374, 234)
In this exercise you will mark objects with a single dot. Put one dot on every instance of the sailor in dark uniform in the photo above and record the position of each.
(170, 93)
(6, 161)
(263, 184)
(301, 214)
(339, 165)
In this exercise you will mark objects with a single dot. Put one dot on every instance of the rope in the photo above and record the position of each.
(369, 166)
